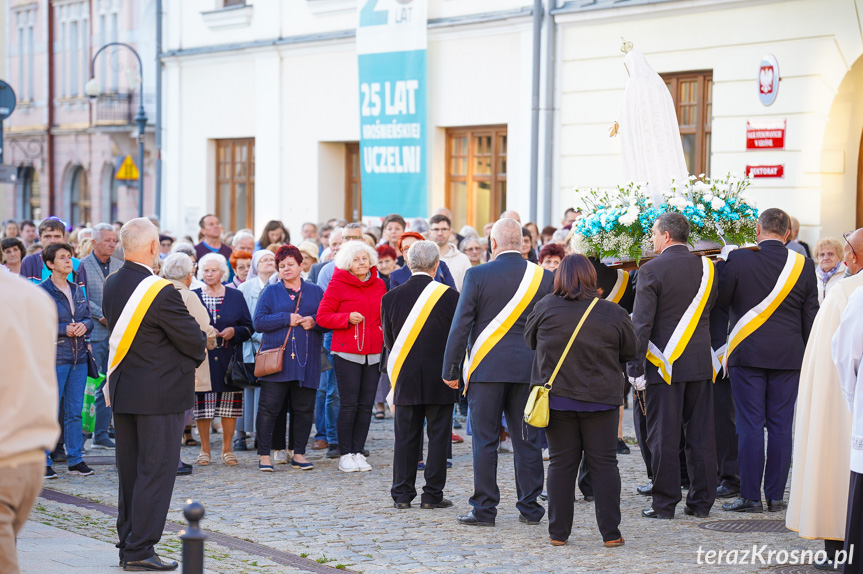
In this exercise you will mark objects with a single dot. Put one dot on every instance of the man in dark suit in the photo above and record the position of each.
(418, 392)
(495, 300)
(150, 388)
(725, 431)
(674, 288)
(764, 365)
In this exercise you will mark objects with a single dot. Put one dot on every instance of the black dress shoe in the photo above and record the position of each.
(524, 520)
(402, 505)
(471, 520)
(743, 505)
(775, 505)
(723, 491)
(240, 444)
(151, 563)
(183, 471)
(826, 565)
(543, 495)
(646, 490)
(443, 503)
(622, 447)
(689, 512)
(185, 465)
(650, 513)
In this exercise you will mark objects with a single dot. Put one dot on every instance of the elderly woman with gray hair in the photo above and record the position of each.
(230, 316)
(178, 269)
(351, 307)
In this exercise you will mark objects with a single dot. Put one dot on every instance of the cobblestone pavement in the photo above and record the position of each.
(347, 521)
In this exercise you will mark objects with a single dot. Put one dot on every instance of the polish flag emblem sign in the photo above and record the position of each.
(768, 80)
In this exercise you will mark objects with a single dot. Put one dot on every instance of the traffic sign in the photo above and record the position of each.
(128, 170)
(7, 100)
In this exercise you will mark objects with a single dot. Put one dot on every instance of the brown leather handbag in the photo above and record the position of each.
(270, 362)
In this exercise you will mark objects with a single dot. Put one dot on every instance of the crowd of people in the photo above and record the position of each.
(333, 329)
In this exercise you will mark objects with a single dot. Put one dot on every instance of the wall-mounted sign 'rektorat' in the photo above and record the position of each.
(391, 47)
(757, 171)
(765, 134)
(768, 79)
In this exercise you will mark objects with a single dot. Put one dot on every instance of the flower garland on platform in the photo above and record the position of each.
(617, 223)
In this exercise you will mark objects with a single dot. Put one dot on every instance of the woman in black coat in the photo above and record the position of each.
(230, 316)
(586, 394)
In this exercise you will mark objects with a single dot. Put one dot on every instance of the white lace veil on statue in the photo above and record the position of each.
(650, 135)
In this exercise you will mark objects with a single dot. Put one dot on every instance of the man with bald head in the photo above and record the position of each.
(488, 334)
(511, 214)
(151, 383)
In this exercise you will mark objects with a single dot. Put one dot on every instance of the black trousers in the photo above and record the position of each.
(668, 407)
(408, 423)
(725, 431)
(486, 402)
(357, 386)
(278, 397)
(147, 453)
(854, 525)
(639, 421)
(593, 436)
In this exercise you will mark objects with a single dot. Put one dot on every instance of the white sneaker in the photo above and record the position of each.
(505, 446)
(279, 457)
(348, 464)
(361, 463)
(545, 454)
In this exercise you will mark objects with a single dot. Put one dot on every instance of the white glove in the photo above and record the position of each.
(725, 251)
(638, 383)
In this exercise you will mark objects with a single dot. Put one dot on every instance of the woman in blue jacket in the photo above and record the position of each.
(73, 314)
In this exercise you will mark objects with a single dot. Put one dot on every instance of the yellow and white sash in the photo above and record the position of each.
(685, 328)
(718, 357)
(130, 320)
(409, 332)
(758, 315)
(619, 288)
(503, 322)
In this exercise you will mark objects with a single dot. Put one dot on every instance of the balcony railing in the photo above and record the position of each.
(114, 110)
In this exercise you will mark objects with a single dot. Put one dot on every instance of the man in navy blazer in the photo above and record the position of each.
(500, 383)
(765, 368)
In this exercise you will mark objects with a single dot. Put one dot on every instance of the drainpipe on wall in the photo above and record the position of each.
(534, 112)
(158, 180)
(49, 137)
(548, 169)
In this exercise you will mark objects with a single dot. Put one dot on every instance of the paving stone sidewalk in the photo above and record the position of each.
(346, 521)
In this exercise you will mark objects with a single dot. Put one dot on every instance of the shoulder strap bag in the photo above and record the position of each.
(270, 362)
(536, 411)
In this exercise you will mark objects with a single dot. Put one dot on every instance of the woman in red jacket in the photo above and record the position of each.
(351, 307)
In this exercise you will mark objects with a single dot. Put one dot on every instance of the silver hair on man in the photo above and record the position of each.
(184, 247)
(99, 228)
(177, 266)
(423, 256)
(507, 234)
(138, 234)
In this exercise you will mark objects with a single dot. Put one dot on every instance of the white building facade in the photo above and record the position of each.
(261, 105)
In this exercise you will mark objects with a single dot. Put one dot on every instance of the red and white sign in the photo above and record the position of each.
(757, 171)
(765, 134)
(768, 79)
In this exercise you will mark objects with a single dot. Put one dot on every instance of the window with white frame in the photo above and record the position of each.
(25, 20)
(108, 21)
(73, 19)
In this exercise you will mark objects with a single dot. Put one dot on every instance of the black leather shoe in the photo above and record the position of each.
(524, 520)
(183, 471)
(689, 512)
(151, 563)
(444, 503)
(744, 505)
(775, 505)
(650, 513)
(543, 495)
(826, 565)
(723, 491)
(622, 447)
(471, 520)
(402, 505)
(646, 490)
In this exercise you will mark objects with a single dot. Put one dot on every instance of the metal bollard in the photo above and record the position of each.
(193, 539)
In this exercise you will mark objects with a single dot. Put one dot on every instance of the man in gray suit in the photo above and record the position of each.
(99, 264)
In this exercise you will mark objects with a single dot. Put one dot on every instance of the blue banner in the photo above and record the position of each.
(391, 42)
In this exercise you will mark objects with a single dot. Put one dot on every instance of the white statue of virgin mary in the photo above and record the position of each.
(650, 135)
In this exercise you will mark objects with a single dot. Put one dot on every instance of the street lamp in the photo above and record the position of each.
(92, 89)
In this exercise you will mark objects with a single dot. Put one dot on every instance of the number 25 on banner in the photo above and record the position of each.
(399, 97)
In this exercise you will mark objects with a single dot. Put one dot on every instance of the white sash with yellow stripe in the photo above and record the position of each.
(758, 315)
(685, 328)
(409, 332)
(130, 320)
(718, 357)
(503, 321)
(616, 293)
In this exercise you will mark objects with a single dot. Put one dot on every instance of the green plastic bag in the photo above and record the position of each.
(88, 412)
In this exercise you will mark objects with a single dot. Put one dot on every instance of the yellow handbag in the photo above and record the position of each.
(536, 411)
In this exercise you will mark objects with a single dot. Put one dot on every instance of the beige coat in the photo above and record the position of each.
(822, 430)
(199, 312)
(28, 390)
